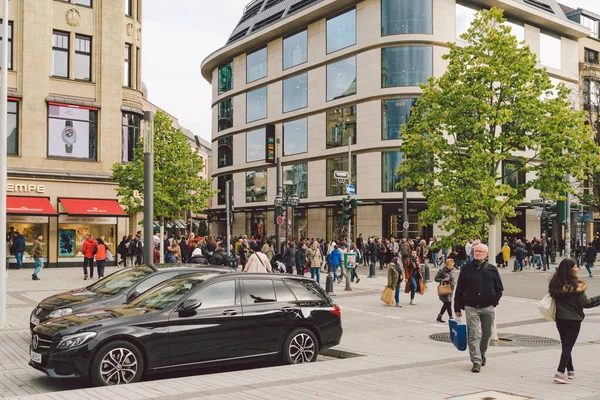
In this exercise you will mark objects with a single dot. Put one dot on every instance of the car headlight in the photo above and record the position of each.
(61, 312)
(75, 340)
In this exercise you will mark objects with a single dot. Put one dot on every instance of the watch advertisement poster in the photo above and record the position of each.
(71, 132)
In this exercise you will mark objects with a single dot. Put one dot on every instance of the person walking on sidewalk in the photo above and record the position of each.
(412, 271)
(478, 292)
(590, 258)
(315, 259)
(88, 249)
(334, 259)
(445, 277)
(570, 299)
(18, 248)
(519, 257)
(100, 257)
(395, 277)
(36, 252)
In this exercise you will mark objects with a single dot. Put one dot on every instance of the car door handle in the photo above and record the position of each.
(230, 312)
(287, 309)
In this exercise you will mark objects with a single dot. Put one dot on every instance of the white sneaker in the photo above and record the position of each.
(560, 377)
(413, 302)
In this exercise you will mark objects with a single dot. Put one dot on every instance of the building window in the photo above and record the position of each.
(295, 49)
(464, 18)
(406, 16)
(226, 78)
(341, 125)
(334, 188)
(550, 54)
(406, 66)
(341, 31)
(60, 54)
(256, 65)
(390, 161)
(256, 186)
(221, 182)
(298, 174)
(256, 104)
(131, 135)
(127, 66)
(592, 25)
(256, 145)
(138, 63)
(255, 225)
(295, 137)
(591, 56)
(225, 152)
(13, 128)
(394, 113)
(295, 92)
(341, 79)
(300, 223)
(591, 94)
(72, 132)
(128, 8)
(10, 52)
(83, 57)
(87, 3)
(225, 115)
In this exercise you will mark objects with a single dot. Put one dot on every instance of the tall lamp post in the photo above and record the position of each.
(288, 198)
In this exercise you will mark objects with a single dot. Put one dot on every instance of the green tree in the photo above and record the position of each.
(177, 184)
(492, 106)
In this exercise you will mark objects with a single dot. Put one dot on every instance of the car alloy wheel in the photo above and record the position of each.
(302, 347)
(118, 366)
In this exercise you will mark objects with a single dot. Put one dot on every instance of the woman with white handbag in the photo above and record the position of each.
(570, 299)
(445, 278)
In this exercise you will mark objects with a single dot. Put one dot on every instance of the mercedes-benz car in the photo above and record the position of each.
(117, 288)
(190, 321)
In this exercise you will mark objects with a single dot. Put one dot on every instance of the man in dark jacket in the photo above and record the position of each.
(300, 259)
(18, 248)
(520, 257)
(184, 249)
(590, 258)
(219, 257)
(478, 292)
(289, 258)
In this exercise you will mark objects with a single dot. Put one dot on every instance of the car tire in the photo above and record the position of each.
(117, 363)
(301, 346)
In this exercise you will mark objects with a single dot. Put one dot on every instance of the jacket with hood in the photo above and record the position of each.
(18, 245)
(88, 248)
(571, 302)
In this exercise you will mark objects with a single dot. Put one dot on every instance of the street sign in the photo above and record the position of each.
(279, 220)
(350, 189)
(586, 217)
(405, 225)
(341, 175)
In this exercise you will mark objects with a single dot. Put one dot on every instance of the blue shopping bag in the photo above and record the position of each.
(458, 334)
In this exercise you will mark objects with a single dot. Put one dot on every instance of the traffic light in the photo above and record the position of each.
(356, 203)
(561, 211)
(347, 212)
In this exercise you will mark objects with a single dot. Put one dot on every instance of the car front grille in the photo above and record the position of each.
(44, 343)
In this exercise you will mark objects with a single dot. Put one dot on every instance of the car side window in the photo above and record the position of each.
(283, 292)
(220, 294)
(258, 291)
(305, 290)
(154, 280)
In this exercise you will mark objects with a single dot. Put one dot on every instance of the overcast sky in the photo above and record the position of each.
(179, 34)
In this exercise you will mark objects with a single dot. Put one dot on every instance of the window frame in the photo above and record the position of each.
(222, 142)
(222, 181)
(16, 113)
(283, 67)
(127, 66)
(327, 51)
(327, 99)
(343, 115)
(266, 176)
(9, 62)
(283, 109)
(430, 32)
(283, 152)
(589, 60)
(90, 121)
(264, 144)
(79, 52)
(130, 146)
(230, 65)
(328, 182)
(398, 177)
(85, 5)
(63, 50)
(385, 85)
(128, 6)
(266, 64)
(266, 105)
(222, 103)
(384, 123)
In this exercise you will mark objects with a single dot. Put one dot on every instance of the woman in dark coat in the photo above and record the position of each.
(289, 258)
(570, 299)
(446, 277)
(412, 271)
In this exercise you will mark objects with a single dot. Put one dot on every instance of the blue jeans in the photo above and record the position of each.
(434, 259)
(413, 287)
(39, 264)
(334, 269)
(100, 267)
(540, 258)
(315, 273)
(19, 257)
(588, 266)
(397, 295)
(90, 262)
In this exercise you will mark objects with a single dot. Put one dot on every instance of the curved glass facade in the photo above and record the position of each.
(390, 161)
(406, 16)
(394, 114)
(406, 66)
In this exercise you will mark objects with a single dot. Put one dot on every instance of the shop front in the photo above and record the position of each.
(29, 216)
(392, 221)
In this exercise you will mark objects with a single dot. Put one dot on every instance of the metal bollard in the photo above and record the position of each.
(372, 271)
(329, 284)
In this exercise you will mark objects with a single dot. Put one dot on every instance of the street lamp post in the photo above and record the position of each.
(288, 198)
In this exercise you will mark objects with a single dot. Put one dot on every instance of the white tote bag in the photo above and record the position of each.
(547, 308)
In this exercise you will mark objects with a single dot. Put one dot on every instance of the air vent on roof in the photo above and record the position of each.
(267, 21)
(300, 5)
(237, 36)
(251, 12)
(540, 5)
(271, 3)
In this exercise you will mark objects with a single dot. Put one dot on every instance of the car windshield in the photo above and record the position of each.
(170, 292)
(115, 283)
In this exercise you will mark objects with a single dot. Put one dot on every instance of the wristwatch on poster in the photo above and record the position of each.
(69, 136)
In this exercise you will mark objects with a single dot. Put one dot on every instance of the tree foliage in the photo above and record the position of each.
(177, 167)
(493, 105)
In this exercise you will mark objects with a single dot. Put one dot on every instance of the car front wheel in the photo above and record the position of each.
(117, 363)
(300, 347)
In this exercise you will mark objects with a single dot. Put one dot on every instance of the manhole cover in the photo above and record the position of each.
(507, 340)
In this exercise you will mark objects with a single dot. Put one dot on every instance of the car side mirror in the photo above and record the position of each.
(133, 296)
(190, 305)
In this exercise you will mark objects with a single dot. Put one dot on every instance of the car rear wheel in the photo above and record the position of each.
(117, 363)
(300, 347)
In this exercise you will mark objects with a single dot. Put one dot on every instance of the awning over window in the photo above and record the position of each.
(21, 205)
(85, 207)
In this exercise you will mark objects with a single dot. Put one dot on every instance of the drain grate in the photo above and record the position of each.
(508, 340)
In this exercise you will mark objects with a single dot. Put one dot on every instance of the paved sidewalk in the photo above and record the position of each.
(399, 358)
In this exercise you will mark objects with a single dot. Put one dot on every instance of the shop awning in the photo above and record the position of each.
(93, 207)
(21, 205)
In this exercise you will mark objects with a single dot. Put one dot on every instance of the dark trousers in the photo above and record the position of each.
(300, 270)
(446, 306)
(88, 262)
(100, 267)
(568, 330)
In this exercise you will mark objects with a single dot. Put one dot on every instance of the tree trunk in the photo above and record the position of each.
(162, 240)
